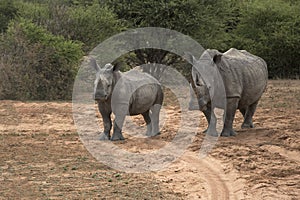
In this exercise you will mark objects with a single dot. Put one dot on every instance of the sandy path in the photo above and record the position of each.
(202, 178)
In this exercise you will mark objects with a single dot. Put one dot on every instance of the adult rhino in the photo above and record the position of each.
(129, 93)
(244, 77)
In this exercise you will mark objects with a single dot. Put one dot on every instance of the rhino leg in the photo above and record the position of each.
(117, 132)
(118, 122)
(105, 113)
(147, 119)
(243, 111)
(107, 127)
(232, 104)
(248, 116)
(207, 114)
(155, 109)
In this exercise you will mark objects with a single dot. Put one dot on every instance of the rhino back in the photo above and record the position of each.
(138, 90)
(245, 76)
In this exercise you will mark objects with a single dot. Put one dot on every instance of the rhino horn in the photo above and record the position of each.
(94, 64)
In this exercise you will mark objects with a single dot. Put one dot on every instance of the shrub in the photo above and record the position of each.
(8, 11)
(271, 29)
(85, 21)
(37, 64)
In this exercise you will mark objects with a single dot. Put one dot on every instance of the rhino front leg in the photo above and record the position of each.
(117, 132)
(155, 119)
(232, 104)
(120, 113)
(249, 115)
(107, 127)
(147, 119)
(118, 124)
(105, 113)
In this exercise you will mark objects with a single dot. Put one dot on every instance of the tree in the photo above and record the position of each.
(205, 21)
(89, 21)
(270, 29)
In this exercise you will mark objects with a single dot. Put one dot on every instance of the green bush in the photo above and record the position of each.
(8, 11)
(85, 21)
(39, 52)
(37, 64)
(271, 29)
(92, 24)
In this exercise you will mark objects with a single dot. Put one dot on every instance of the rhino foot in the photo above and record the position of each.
(117, 136)
(149, 133)
(104, 136)
(152, 134)
(247, 125)
(228, 133)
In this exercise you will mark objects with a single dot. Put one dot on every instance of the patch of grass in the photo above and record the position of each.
(94, 175)
(82, 158)
(281, 105)
(65, 168)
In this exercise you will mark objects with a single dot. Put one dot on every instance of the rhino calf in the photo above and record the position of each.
(129, 93)
(245, 79)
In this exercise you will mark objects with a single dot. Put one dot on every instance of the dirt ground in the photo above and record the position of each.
(43, 157)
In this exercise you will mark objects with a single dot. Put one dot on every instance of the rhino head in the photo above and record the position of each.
(201, 90)
(201, 75)
(103, 85)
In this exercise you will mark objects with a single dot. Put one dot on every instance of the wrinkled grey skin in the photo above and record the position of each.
(129, 93)
(245, 79)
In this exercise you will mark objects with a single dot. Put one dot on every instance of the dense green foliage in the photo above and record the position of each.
(43, 41)
(8, 11)
(271, 29)
(37, 64)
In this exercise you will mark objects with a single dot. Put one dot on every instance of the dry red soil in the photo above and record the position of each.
(43, 157)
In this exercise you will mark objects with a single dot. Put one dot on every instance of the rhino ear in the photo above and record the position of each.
(189, 57)
(217, 58)
(117, 67)
(94, 64)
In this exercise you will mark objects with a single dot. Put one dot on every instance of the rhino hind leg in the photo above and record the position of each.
(147, 119)
(232, 104)
(248, 123)
(207, 114)
(155, 109)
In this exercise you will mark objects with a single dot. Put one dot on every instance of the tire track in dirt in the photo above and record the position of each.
(205, 178)
(216, 187)
(289, 155)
